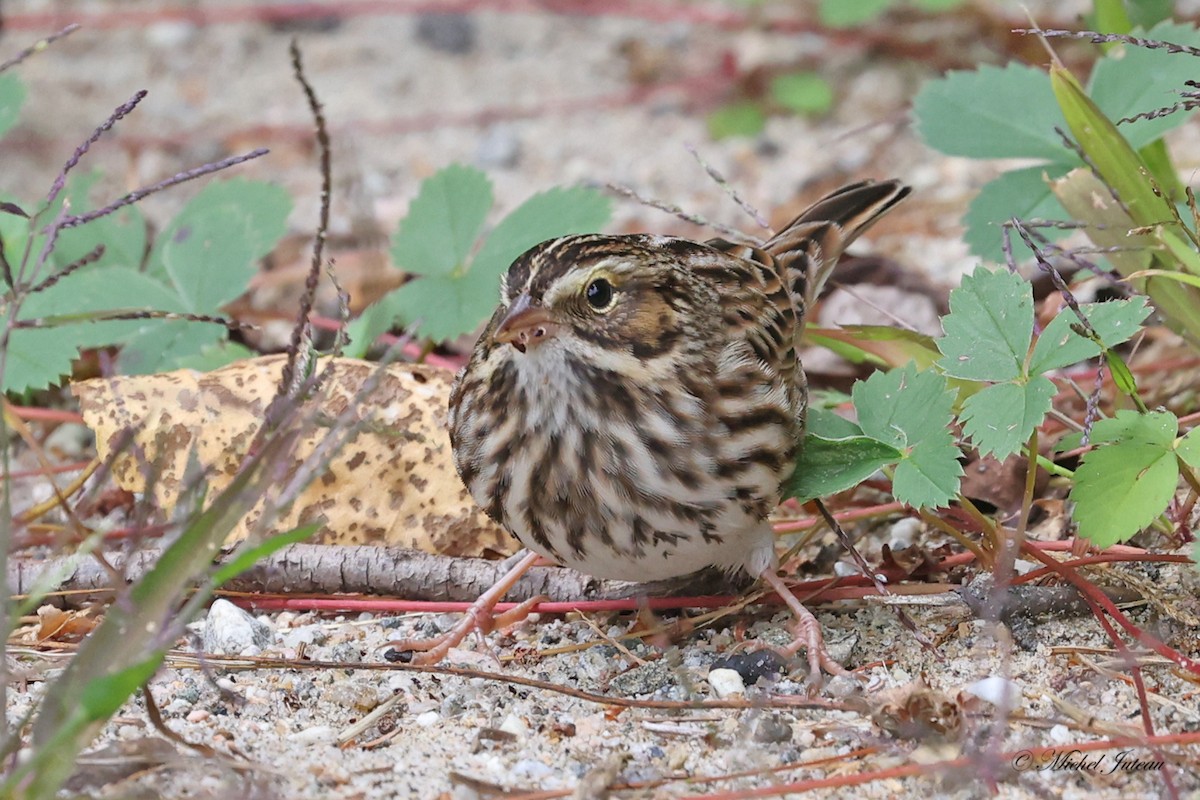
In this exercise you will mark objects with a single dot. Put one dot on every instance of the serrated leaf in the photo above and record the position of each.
(991, 112)
(546, 215)
(1059, 346)
(1158, 428)
(930, 476)
(989, 327)
(40, 357)
(736, 119)
(442, 307)
(802, 92)
(1001, 418)
(904, 406)
(443, 222)
(1130, 80)
(1121, 488)
(445, 306)
(1188, 448)
(12, 97)
(911, 411)
(210, 250)
(1021, 193)
(843, 14)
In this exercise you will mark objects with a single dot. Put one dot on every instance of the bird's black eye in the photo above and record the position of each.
(600, 294)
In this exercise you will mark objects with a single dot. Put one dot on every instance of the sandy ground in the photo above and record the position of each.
(541, 99)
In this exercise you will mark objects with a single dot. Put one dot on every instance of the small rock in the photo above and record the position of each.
(198, 715)
(1060, 734)
(753, 665)
(313, 735)
(997, 691)
(645, 679)
(515, 725)
(449, 33)
(771, 729)
(428, 719)
(230, 630)
(726, 682)
(534, 770)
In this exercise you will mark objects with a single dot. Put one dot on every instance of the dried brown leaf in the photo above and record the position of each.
(392, 484)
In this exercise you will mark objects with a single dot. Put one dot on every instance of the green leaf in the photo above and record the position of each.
(246, 557)
(802, 92)
(102, 697)
(938, 5)
(1158, 428)
(911, 411)
(123, 233)
(441, 307)
(1000, 418)
(40, 357)
(745, 118)
(1188, 448)
(828, 424)
(1060, 346)
(827, 466)
(992, 112)
(845, 14)
(1021, 193)
(443, 222)
(445, 306)
(210, 250)
(989, 327)
(930, 476)
(1121, 488)
(1146, 13)
(1130, 80)
(214, 356)
(546, 215)
(163, 345)
(12, 97)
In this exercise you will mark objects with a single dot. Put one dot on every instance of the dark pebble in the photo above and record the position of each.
(753, 665)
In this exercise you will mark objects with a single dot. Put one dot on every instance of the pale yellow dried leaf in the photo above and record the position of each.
(393, 484)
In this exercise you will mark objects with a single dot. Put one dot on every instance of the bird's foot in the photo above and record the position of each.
(808, 633)
(479, 617)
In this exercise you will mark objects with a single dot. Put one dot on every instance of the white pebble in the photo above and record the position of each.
(428, 719)
(903, 533)
(230, 630)
(317, 733)
(1061, 734)
(997, 691)
(726, 682)
(515, 725)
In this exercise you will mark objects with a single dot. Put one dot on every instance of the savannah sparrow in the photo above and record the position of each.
(635, 402)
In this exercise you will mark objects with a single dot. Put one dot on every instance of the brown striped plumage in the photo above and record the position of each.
(648, 437)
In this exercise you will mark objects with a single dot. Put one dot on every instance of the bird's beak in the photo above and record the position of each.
(526, 324)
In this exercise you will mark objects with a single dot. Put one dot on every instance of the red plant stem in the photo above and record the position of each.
(1101, 558)
(1094, 596)
(46, 414)
(1035, 754)
(791, 526)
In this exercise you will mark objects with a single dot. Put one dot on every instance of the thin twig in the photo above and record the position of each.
(679, 213)
(38, 47)
(174, 180)
(721, 181)
(116, 116)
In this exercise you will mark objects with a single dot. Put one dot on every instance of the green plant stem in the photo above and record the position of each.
(990, 531)
(1054, 469)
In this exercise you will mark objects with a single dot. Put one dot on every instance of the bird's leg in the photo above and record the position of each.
(808, 631)
(479, 617)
